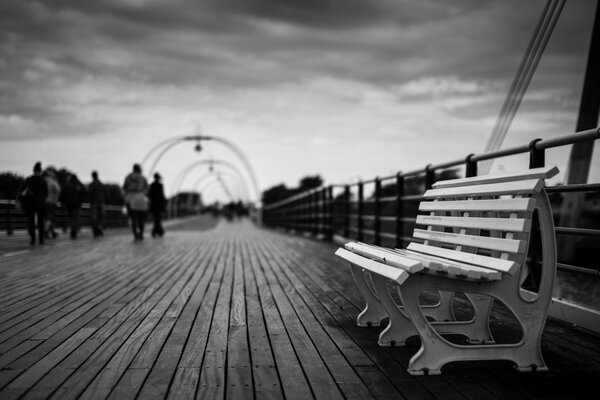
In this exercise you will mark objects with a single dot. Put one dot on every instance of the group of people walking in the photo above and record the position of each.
(41, 192)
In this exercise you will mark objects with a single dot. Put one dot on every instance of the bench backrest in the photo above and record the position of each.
(484, 221)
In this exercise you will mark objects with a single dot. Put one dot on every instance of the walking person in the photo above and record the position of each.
(98, 197)
(73, 197)
(51, 201)
(135, 188)
(33, 199)
(158, 204)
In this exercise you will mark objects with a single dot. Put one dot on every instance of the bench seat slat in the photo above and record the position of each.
(452, 267)
(500, 205)
(386, 256)
(535, 173)
(396, 274)
(500, 265)
(500, 224)
(492, 189)
(490, 243)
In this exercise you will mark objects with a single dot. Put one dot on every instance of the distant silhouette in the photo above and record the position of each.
(158, 204)
(33, 199)
(51, 200)
(98, 196)
(73, 197)
(135, 188)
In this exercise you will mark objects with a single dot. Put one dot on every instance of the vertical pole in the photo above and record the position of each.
(429, 177)
(471, 166)
(9, 230)
(322, 211)
(361, 210)
(347, 212)
(377, 212)
(399, 210)
(581, 153)
(589, 109)
(329, 196)
(537, 158)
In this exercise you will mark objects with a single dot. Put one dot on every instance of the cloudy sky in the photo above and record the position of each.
(347, 89)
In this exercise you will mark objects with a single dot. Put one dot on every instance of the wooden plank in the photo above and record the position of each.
(534, 173)
(170, 372)
(334, 348)
(492, 224)
(239, 373)
(293, 380)
(334, 285)
(321, 382)
(524, 204)
(212, 374)
(385, 256)
(480, 242)
(179, 293)
(267, 384)
(454, 267)
(90, 357)
(103, 300)
(504, 266)
(493, 189)
(395, 274)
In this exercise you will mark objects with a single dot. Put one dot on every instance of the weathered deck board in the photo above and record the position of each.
(236, 312)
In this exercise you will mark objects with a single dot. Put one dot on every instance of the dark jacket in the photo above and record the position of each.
(97, 192)
(34, 192)
(73, 193)
(156, 194)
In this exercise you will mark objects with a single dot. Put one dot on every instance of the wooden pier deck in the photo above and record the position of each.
(235, 312)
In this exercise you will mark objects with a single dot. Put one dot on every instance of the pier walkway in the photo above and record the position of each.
(234, 312)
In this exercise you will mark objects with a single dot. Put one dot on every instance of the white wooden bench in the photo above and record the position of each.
(475, 242)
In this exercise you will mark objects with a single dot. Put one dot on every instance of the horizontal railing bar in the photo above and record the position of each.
(387, 235)
(581, 270)
(577, 187)
(577, 231)
(590, 134)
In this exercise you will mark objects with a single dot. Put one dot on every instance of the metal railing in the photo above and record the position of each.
(12, 217)
(383, 211)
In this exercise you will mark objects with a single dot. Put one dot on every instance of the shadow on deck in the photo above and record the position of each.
(234, 312)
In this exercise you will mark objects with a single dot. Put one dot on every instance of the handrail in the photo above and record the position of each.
(388, 218)
(543, 144)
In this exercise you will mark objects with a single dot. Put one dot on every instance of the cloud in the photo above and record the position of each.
(382, 76)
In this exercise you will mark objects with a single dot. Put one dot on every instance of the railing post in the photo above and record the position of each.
(429, 177)
(347, 212)
(322, 211)
(399, 209)
(329, 196)
(377, 212)
(537, 158)
(360, 212)
(315, 212)
(9, 230)
(471, 166)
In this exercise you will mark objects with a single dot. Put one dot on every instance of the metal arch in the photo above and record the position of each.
(225, 173)
(170, 143)
(181, 177)
(218, 185)
(241, 156)
(223, 182)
